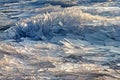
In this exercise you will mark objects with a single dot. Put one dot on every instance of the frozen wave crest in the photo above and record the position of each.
(69, 20)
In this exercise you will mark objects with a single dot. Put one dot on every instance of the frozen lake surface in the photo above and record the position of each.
(59, 39)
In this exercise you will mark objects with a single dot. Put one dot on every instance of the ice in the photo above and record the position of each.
(5, 22)
(59, 40)
(50, 24)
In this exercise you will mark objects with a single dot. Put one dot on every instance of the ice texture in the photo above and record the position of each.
(59, 40)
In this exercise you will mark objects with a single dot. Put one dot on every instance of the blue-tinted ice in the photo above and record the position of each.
(60, 39)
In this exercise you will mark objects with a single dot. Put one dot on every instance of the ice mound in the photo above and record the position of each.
(60, 23)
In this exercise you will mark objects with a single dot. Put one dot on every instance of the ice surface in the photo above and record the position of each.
(59, 39)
